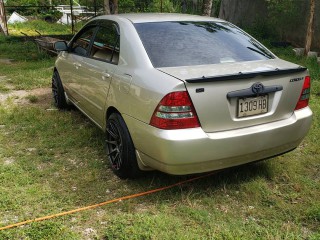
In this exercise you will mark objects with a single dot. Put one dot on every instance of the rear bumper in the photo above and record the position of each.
(194, 151)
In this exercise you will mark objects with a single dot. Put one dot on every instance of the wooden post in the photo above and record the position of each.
(3, 19)
(95, 7)
(71, 11)
(310, 27)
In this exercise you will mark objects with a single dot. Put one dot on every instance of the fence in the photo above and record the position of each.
(93, 8)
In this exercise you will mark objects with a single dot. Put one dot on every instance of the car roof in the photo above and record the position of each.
(160, 17)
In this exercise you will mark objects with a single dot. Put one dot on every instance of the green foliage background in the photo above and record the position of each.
(53, 161)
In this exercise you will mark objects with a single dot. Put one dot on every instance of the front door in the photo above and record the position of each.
(97, 70)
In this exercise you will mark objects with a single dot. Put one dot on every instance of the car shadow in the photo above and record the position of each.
(216, 179)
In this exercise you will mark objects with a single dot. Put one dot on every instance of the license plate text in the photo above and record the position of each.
(252, 106)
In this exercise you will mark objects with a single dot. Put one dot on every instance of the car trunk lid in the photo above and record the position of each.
(236, 95)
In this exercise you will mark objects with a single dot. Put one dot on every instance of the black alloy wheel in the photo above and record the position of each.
(120, 148)
(58, 92)
(114, 144)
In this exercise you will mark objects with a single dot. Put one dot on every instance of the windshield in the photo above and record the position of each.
(173, 44)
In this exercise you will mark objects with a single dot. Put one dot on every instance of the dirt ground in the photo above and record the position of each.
(39, 96)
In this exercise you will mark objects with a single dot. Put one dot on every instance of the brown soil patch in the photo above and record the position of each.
(43, 97)
(6, 60)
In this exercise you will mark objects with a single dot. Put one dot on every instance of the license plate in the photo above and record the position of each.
(252, 106)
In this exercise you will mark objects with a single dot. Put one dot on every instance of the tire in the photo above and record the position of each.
(58, 92)
(120, 148)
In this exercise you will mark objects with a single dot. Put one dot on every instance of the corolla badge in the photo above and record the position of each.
(296, 79)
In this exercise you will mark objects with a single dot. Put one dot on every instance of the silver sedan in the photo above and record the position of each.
(181, 94)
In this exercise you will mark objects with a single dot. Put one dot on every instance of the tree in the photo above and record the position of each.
(3, 22)
(207, 6)
(111, 7)
(310, 27)
(115, 7)
(106, 4)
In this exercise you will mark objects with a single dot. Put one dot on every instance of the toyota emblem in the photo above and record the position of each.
(257, 88)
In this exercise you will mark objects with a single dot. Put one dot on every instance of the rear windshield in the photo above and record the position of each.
(173, 44)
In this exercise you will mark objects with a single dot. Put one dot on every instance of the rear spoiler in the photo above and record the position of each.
(242, 75)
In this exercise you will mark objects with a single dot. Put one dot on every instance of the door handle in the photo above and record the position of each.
(105, 75)
(77, 65)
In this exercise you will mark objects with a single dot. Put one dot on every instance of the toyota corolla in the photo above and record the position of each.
(181, 94)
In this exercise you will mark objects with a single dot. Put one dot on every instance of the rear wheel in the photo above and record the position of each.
(120, 148)
(58, 92)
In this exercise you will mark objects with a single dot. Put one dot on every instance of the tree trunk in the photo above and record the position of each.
(106, 7)
(207, 6)
(3, 20)
(310, 27)
(111, 7)
(115, 7)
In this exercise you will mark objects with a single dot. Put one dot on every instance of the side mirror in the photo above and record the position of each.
(60, 46)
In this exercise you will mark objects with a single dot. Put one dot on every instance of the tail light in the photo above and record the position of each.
(175, 111)
(305, 94)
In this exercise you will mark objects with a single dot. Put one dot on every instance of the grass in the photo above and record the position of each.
(32, 98)
(53, 161)
(4, 88)
(28, 69)
(31, 27)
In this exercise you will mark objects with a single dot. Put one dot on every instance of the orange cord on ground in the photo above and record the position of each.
(103, 203)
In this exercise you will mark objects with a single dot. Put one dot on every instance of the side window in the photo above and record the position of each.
(81, 43)
(106, 44)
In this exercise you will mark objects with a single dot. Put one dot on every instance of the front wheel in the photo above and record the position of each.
(120, 148)
(58, 92)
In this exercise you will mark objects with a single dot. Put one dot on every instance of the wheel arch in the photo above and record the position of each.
(110, 110)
